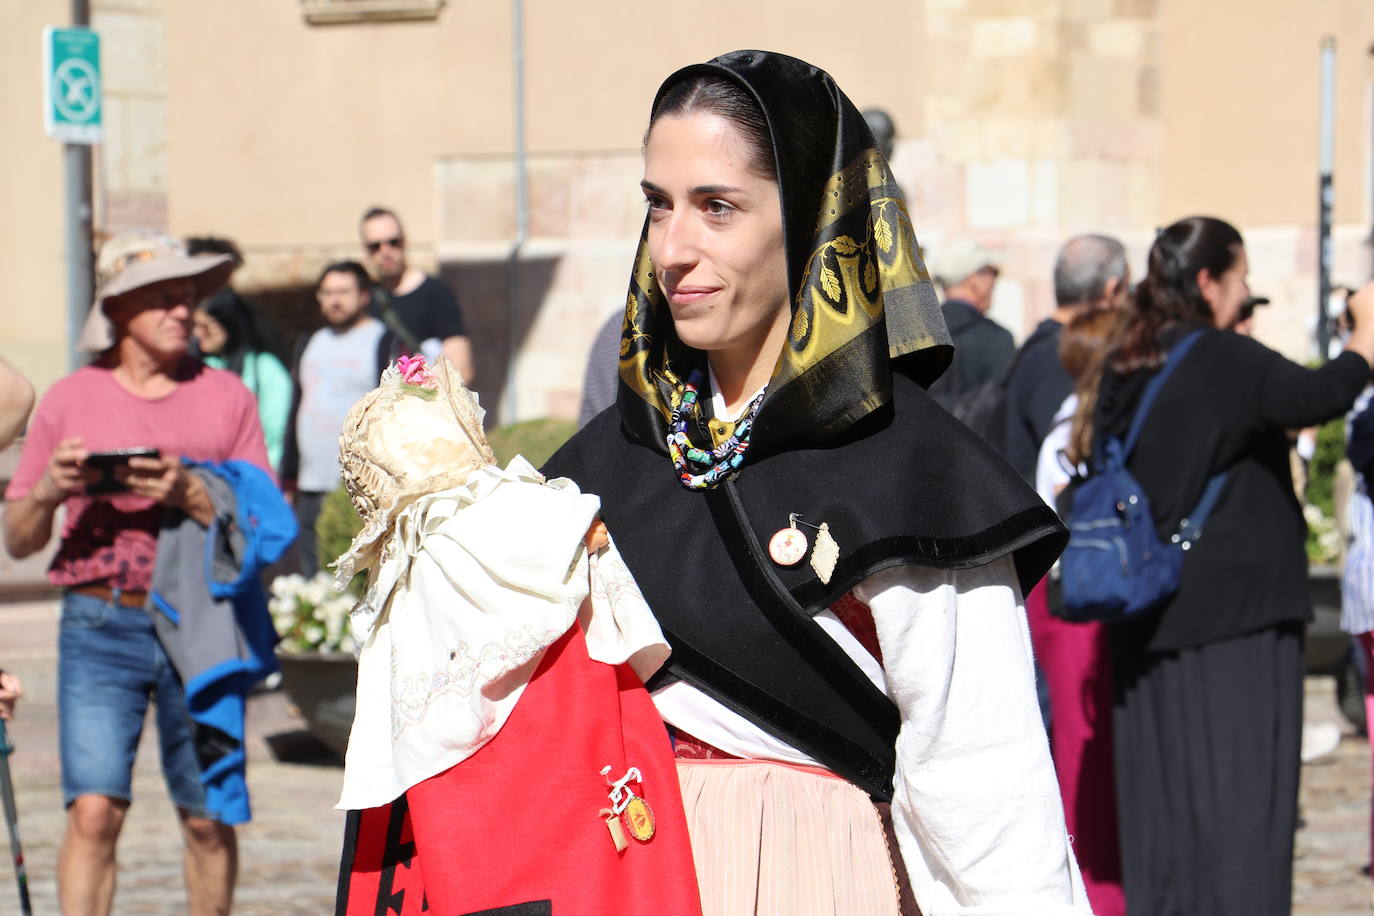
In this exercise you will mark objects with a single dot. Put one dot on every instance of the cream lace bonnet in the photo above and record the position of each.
(419, 431)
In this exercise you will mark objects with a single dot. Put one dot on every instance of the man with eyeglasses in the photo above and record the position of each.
(331, 369)
(420, 309)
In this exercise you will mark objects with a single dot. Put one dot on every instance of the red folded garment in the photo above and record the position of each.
(518, 829)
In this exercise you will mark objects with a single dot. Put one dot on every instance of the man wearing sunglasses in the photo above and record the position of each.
(421, 309)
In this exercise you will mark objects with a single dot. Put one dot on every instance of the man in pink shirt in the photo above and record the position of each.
(141, 392)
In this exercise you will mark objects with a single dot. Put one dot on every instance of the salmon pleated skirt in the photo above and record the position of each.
(774, 838)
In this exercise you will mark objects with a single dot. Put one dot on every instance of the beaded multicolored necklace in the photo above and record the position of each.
(720, 462)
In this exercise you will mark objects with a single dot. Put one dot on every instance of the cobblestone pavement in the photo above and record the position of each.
(289, 853)
(1333, 846)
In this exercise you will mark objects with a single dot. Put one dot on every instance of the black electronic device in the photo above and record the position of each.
(107, 461)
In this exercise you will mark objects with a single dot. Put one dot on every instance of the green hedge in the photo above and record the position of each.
(537, 440)
(1321, 471)
(335, 528)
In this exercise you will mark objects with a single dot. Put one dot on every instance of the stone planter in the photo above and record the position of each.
(322, 685)
(1326, 647)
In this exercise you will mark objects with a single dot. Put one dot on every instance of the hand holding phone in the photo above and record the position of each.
(160, 478)
(113, 468)
(67, 473)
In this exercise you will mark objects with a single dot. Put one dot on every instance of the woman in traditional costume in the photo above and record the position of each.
(837, 564)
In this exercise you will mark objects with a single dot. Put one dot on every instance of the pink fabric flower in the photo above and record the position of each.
(414, 371)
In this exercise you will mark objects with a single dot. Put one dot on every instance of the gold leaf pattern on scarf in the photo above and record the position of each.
(843, 244)
(882, 231)
(825, 554)
(860, 271)
(801, 324)
(831, 284)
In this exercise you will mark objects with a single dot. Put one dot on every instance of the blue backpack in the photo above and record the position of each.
(1115, 567)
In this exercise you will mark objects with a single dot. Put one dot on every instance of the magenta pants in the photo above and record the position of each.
(1367, 648)
(1077, 668)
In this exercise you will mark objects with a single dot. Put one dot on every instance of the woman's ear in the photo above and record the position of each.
(1208, 287)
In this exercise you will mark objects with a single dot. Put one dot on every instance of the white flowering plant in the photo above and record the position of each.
(310, 616)
(1323, 537)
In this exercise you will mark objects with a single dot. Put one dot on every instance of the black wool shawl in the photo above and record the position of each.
(908, 485)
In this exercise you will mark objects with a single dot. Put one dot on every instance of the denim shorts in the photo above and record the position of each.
(110, 666)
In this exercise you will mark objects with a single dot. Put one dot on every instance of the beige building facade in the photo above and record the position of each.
(1020, 122)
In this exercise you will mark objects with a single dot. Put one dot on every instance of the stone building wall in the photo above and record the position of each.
(130, 186)
(1019, 124)
(33, 313)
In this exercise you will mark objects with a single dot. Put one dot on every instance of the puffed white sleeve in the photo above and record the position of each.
(976, 805)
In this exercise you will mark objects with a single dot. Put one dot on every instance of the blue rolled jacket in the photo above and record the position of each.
(210, 612)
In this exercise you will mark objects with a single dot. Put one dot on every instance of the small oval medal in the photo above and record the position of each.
(788, 546)
(639, 819)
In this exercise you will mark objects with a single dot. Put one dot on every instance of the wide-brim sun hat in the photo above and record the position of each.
(132, 261)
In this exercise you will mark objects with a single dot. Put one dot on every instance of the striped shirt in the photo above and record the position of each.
(1357, 582)
(603, 370)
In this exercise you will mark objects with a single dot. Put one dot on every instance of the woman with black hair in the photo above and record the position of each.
(1208, 709)
(837, 563)
(228, 339)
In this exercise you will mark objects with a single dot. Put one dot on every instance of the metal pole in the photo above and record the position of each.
(1326, 142)
(76, 161)
(522, 213)
(21, 877)
(1369, 159)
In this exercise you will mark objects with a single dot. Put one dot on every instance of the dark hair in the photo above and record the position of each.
(358, 271)
(1169, 293)
(246, 328)
(374, 212)
(884, 131)
(226, 308)
(213, 244)
(1084, 266)
(1083, 349)
(719, 96)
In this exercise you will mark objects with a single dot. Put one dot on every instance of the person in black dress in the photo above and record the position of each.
(1208, 709)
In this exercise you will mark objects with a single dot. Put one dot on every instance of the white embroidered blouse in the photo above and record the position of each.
(976, 804)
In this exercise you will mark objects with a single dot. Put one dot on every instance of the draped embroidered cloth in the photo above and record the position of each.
(473, 584)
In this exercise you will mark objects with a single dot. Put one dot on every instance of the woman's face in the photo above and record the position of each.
(715, 236)
(1228, 292)
(210, 334)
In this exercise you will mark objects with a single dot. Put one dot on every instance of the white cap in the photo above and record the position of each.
(958, 260)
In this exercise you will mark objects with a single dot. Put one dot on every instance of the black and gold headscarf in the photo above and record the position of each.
(861, 297)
